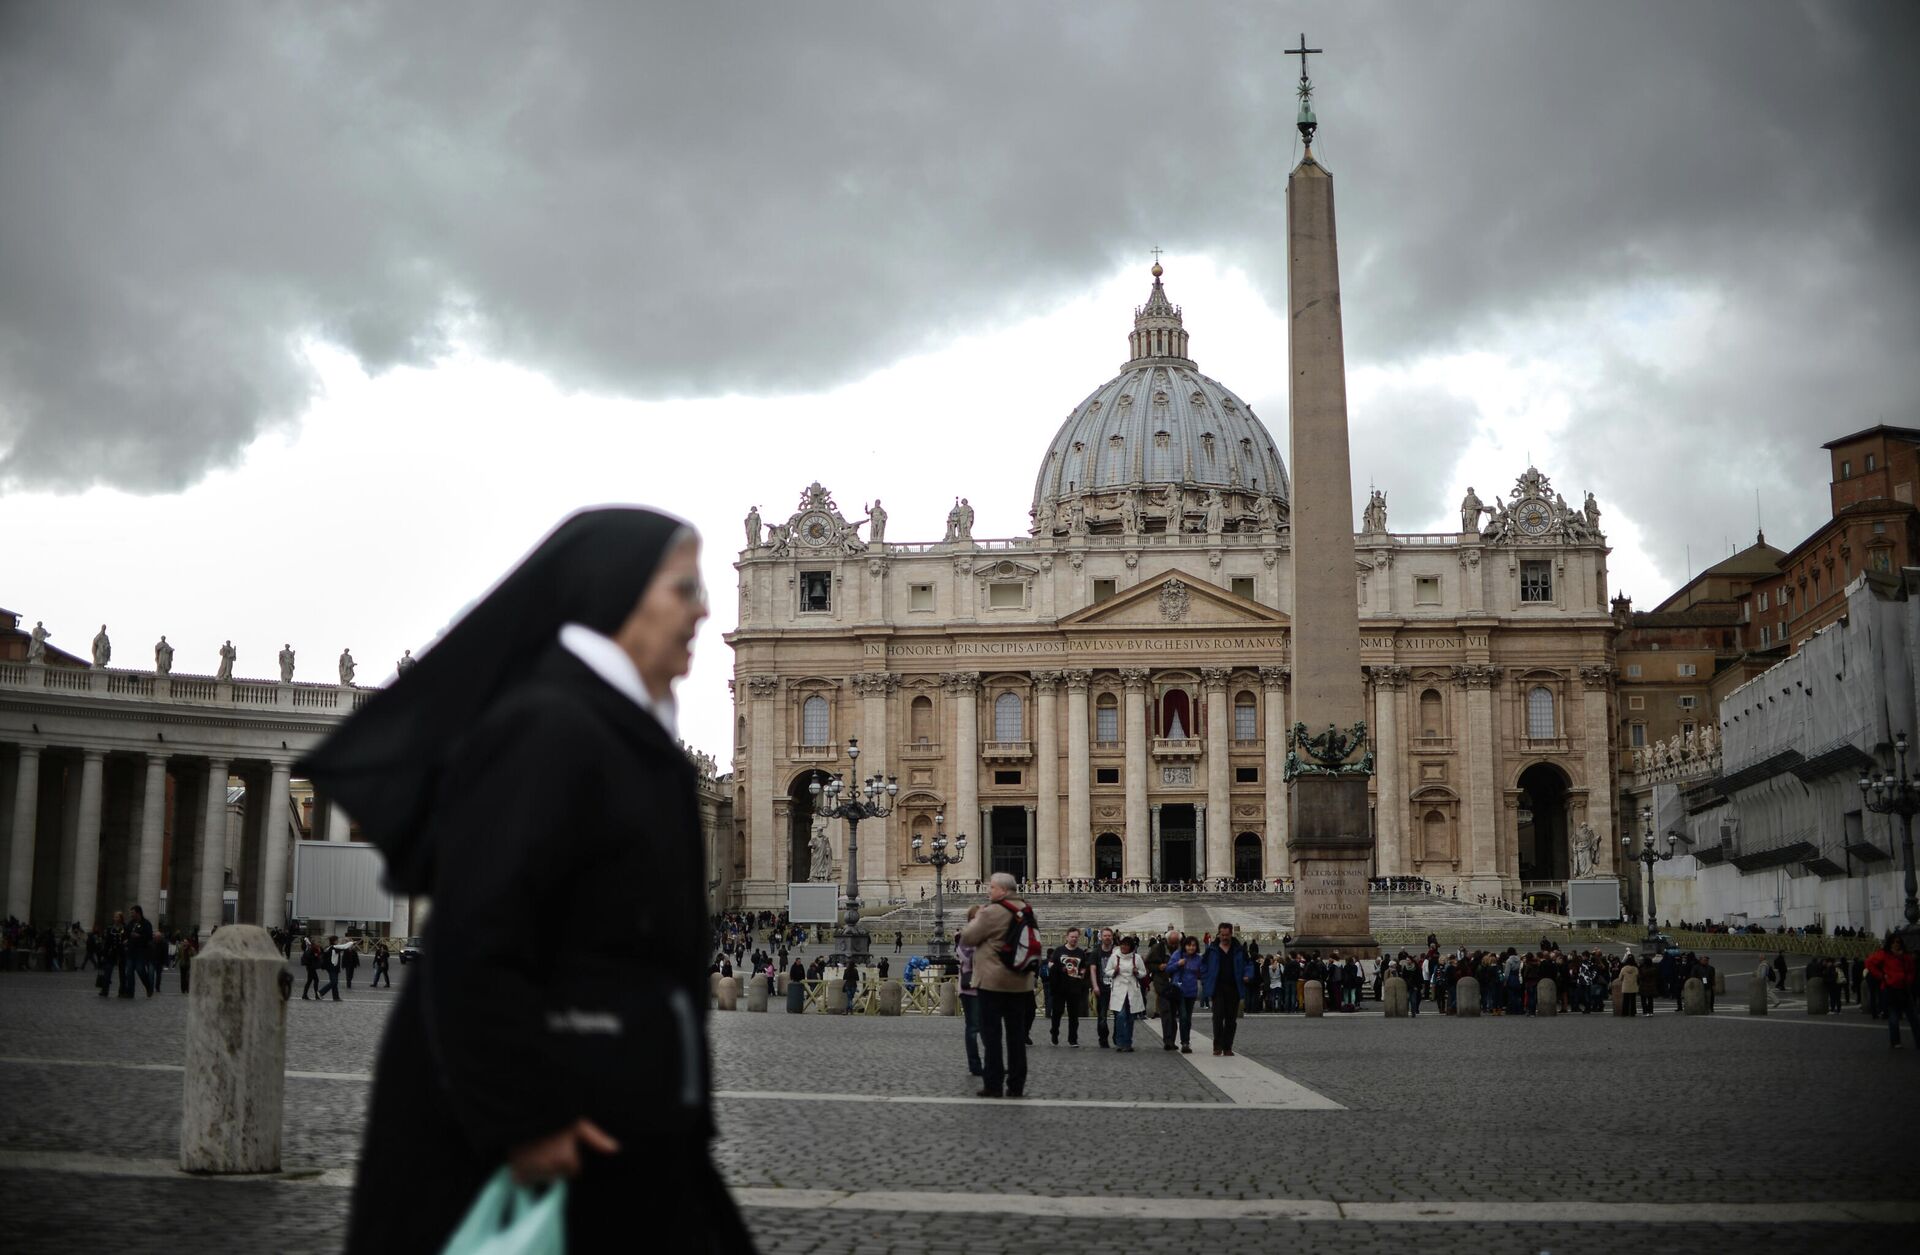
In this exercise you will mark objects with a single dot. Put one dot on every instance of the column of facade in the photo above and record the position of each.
(213, 849)
(1273, 683)
(1157, 857)
(273, 846)
(86, 840)
(26, 819)
(1032, 839)
(1078, 838)
(1390, 765)
(1218, 846)
(1046, 751)
(879, 862)
(152, 833)
(1138, 856)
(1483, 813)
(1202, 864)
(963, 688)
(1597, 683)
(763, 840)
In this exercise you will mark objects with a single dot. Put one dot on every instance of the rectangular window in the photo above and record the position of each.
(1766, 635)
(1426, 590)
(1636, 703)
(1633, 670)
(1243, 586)
(1245, 726)
(1536, 580)
(1763, 599)
(816, 591)
(1106, 775)
(1879, 529)
(1106, 724)
(1637, 735)
(1846, 469)
(1246, 775)
(1689, 702)
(1685, 668)
(1006, 595)
(1006, 777)
(1686, 729)
(920, 597)
(1102, 590)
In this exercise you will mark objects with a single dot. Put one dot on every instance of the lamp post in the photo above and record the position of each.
(1897, 793)
(871, 798)
(1648, 857)
(940, 860)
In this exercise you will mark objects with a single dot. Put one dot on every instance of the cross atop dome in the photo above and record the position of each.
(1157, 329)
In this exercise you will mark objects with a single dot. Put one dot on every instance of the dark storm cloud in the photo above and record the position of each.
(684, 200)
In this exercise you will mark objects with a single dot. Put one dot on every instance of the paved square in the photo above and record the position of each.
(1354, 1133)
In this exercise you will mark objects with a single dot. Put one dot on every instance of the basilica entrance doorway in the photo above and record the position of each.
(1246, 856)
(1106, 856)
(1178, 828)
(1543, 824)
(1010, 841)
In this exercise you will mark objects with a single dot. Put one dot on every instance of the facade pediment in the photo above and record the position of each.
(1175, 599)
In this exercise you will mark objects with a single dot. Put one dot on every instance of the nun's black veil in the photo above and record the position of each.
(385, 762)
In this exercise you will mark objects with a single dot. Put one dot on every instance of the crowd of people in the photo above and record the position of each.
(1378, 885)
(128, 947)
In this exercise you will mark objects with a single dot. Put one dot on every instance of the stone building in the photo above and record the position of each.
(1108, 695)
(1874, 530)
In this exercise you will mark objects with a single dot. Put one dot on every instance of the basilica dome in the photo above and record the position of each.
(1160, 447)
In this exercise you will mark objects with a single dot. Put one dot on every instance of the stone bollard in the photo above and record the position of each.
(1719, 981)
(780, 980)
(1546, 998)
(1616, 997)
(1693, 997)
(1466, 996)
(891, 993)
(796, 997)
(1757, 997)
(713, 988)
(726, 994)
(236, 1057)
(949, 997)
(757, 992)
(1796, 980)
(1816, 997)
(1393, 997)
(836, 996)
(1316, 999)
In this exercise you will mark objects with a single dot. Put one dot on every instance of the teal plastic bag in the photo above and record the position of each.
(510, 1219)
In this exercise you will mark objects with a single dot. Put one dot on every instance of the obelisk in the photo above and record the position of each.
(1330, 753)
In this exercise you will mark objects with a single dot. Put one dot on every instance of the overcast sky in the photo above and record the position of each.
(313, 317)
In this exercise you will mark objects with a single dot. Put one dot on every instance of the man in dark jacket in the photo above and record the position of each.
(139, 954)
(1224, 976)
(1158, 952)
(1069, 984)
(1101, 992)
(332, 958)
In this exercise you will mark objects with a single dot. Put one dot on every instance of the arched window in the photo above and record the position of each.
(920, 720)
(813, 721)
(1246, 725)
(1106, 719)
(1432, 718)
(923, 831)
(1007, 723)
(1540, 713)
(1433, 835)
(1176, 715)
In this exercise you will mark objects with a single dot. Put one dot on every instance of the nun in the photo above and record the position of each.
(524, 775)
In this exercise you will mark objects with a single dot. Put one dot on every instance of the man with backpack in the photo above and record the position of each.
(1007, 952)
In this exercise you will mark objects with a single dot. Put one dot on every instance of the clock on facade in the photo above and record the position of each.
(816, 528)
(1533, 517)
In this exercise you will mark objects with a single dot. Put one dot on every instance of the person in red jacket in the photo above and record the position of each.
(1892, 966)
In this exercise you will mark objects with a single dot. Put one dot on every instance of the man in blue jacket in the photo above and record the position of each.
(1224, 976)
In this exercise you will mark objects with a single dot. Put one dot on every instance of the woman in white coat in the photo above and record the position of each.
(1125, 972)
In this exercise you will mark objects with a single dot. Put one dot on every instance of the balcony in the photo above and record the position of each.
(1433, 744)
(920, 749)
(1545, 744)
(1180, 749)
(1007, 751)
(823, 753)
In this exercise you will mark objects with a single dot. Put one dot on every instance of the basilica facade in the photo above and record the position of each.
(1108, 695)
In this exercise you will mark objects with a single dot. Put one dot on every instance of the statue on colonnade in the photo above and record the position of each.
(346, 668)
(37, 642)
(227, 655)
(162, 657)
(286, 663)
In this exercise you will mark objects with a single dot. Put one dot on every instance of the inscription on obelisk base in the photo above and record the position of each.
(1330, 866)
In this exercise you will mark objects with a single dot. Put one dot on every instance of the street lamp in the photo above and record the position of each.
(940, 860)
(871, 798)
(1897, 793)
(1648, 857)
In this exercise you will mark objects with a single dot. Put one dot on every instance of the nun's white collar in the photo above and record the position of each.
(607, 660)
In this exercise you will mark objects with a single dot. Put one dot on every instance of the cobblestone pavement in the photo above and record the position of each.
(1658, 1116)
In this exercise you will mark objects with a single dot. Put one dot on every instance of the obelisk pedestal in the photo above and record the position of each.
(1329, 838)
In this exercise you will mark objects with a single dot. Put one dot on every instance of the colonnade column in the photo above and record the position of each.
(763, 841)
(962, 689)
(1389, 772)
(86, 837)
(1598, 682)
(1219, 843)
(1273, 683)
(26, 818)
(273, 847)
(153, 833)
(1483, 870)
(1136, 863)
(1046, 751)
(1079, 833)
(213, 848)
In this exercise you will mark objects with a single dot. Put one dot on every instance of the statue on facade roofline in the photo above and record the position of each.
(753, 528)
(1374, 519)
(1471, 508)
(405, 664)
(286, 663)
(162, 657)
(37, 642)
(227, 655)
(876, 523)
(346, 668)
(102, 648)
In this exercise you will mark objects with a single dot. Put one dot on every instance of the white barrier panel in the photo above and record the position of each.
(340, 880)
(1597, 899)
(812, 903)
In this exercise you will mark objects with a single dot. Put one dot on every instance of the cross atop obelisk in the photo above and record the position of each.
(1305, 120)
